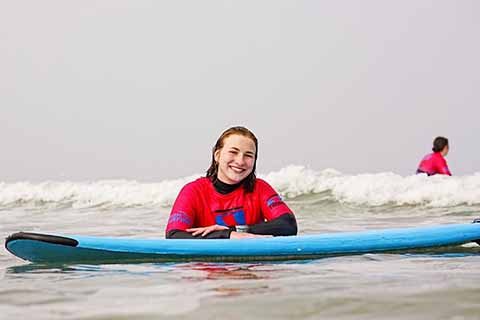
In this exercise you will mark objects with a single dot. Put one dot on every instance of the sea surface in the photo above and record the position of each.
(442, 285)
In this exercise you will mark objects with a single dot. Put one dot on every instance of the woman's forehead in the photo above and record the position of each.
(240, 142)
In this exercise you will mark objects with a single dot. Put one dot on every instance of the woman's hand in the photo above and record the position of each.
(245, 235)
(203, 231)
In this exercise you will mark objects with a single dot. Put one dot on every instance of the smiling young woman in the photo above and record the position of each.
(230, 201)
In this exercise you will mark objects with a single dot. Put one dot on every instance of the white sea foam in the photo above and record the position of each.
(362, 189)
(104, 193)
(380, 188)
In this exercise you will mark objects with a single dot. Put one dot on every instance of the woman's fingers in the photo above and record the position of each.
(213, 228)
(197, 232)
(205, 230)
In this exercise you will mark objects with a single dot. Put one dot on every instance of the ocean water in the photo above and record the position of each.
(444, 285)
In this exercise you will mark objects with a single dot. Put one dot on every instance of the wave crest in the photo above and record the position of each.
(363, 189)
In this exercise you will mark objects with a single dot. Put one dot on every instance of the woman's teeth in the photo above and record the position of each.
(237, 170)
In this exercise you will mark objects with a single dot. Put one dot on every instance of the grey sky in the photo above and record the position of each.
(141, 89)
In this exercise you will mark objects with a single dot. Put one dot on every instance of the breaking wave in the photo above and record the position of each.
(362, 189)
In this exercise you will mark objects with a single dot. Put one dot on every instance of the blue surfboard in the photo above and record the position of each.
(50, 248)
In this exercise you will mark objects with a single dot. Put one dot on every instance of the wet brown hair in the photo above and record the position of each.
(249, 181)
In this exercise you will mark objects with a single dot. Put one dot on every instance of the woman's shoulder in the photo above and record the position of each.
(262, 184)
(197, 184)
(261, 181)
(437, 155)
(428, 156)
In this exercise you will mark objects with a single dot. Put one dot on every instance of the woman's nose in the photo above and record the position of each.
(240, 159)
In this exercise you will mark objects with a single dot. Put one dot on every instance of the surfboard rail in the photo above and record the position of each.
(53, 248)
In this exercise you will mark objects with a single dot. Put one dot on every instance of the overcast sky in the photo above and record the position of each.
(142, 89)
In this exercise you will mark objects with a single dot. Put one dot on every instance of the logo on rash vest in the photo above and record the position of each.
(180, 217)
(230, 217)
(274, 201)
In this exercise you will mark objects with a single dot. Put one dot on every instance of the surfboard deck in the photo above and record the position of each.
(53, 248)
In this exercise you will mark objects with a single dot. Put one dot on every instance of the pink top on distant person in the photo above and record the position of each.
(433, 163)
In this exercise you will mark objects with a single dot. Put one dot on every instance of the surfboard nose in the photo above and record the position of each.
(49, 238)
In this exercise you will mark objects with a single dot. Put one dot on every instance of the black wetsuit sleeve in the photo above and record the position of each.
(285, 225)
(180, 234)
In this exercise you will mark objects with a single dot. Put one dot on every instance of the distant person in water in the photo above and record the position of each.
(230, 202)
(435, 163)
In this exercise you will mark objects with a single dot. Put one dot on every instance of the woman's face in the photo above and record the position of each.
(445, 150)
(235, 159)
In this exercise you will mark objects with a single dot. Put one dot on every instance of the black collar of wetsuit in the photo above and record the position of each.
(225, 188)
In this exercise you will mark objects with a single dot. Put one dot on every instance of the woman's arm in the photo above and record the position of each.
(442, 167)
(280, 218)
(179, 234)
(285, 225)
(212, 232)
(183, 210)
